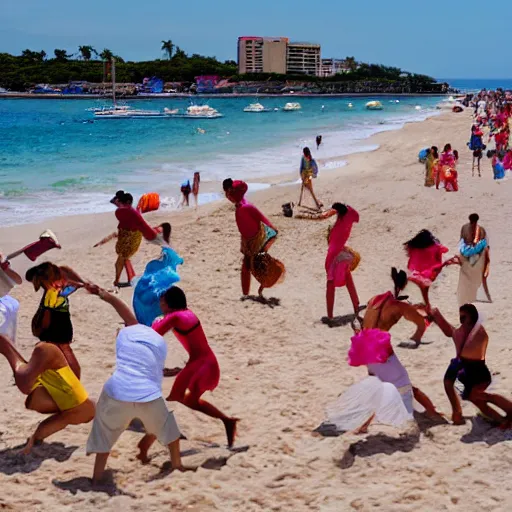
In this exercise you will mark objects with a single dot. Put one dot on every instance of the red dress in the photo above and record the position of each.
(425, 264)
(202, 372)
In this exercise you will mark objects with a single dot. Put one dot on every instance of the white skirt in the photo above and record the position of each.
(371, 397)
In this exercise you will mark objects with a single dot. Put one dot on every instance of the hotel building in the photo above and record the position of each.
(303, 59)
(262, 55)
(278, 55)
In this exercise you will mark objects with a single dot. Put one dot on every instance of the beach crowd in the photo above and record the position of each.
(50, 376)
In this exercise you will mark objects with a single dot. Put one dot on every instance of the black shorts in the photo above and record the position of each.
(185, 190)
(477, 153)
(470, 373)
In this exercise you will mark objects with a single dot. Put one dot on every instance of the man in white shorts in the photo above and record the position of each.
(133, 391)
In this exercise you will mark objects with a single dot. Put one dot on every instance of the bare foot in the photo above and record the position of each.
(458, 419)
(28, 447)
(230, 426)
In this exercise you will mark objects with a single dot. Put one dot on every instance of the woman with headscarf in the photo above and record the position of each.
(258, 235)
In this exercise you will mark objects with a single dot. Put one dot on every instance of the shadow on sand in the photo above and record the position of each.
(12, 461)
(374, 444)
(483, 431)
(84, 484)
(271, 302)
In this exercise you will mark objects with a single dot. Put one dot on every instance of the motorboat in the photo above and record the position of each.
(128, 113)
(374, 105)
(195, 112)
(290, 107)
(256, 108)
(169, 111)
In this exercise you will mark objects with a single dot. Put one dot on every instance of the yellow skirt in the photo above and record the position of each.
(128, 243)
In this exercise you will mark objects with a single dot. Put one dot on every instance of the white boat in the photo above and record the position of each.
(122, 111)
(374, 105)
(169, 111)
(256, 108)
(290, 107)
(195, 112)
(129, 113)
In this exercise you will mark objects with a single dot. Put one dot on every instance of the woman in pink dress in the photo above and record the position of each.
(425, 254)
(257, 236)
(341, 260)
(201, 373)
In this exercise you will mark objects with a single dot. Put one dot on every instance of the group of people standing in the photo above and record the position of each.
(441, 169)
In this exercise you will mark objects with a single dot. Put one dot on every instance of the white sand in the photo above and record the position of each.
(281, 366)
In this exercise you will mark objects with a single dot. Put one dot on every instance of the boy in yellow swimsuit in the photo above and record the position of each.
(52, 388)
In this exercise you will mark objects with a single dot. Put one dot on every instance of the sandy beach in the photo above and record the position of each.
(280, 366)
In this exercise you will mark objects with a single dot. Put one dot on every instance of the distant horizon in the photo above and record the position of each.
(398, 33)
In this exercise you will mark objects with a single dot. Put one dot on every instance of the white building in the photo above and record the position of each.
(331, 67)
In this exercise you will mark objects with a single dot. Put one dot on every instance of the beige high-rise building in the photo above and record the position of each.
(262, 54)
(303, 59)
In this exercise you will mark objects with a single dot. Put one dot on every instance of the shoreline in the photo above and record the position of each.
(327, 164)
(26, 95)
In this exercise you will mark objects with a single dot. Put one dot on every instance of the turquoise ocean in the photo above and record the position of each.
(55, 159)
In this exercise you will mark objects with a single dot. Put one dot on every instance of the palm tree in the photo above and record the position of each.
(351, 63)
(86, 52)
(61, 55)
(33, 56)
(106, 54)
(168, 48)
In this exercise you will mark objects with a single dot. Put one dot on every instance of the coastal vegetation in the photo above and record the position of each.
(21, 72)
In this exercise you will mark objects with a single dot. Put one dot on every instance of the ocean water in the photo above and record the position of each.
(477, 84)
(56, 160)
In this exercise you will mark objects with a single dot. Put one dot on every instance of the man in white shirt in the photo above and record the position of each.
(133, 391)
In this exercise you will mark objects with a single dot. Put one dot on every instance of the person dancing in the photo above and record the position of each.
(258, 235)
(51, 387)
(387, 394)
(201, 373)
(131, 229)
(469, 367)
(52, 320)
(425, 263)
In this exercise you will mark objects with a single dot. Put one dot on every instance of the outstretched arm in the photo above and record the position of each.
(106, 239)
(71, 275)
(442, 323)
(120, 306)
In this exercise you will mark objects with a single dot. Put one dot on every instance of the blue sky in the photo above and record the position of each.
(441, 38)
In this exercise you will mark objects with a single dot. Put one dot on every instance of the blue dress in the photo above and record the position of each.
(158, 277)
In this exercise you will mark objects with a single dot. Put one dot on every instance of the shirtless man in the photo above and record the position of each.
(385, 310)
(51, 386)
(469, 366)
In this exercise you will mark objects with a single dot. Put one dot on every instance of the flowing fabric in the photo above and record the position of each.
(371, 397)
(425, 264)
(158, 277)
(9, 307)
